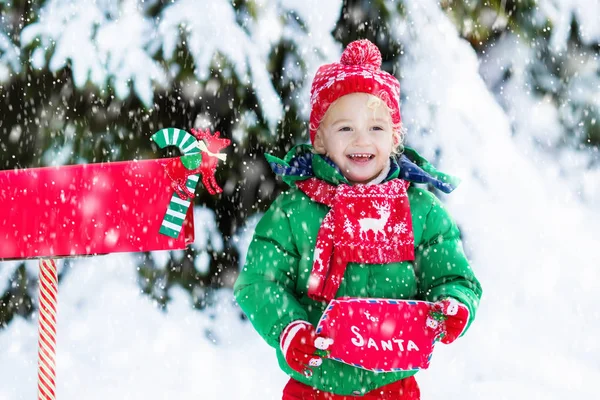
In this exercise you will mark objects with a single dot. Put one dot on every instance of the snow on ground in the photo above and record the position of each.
(114, 344)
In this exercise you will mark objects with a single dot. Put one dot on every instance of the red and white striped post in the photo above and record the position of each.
(48, 298)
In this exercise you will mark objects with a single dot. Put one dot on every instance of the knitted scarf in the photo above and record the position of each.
(367, 224)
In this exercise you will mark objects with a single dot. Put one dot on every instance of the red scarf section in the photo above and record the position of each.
(367, 224)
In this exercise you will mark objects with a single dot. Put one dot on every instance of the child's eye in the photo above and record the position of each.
(377, 128)
(345, 129)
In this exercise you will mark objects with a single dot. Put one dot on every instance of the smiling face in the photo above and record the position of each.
(357, 134)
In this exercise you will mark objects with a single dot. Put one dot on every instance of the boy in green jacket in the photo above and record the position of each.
(352, 225)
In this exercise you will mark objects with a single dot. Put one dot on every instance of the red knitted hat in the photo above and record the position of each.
(359, 71)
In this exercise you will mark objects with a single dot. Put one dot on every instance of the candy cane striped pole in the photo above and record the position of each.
(179, 138)
(48, 297)
(173, 221)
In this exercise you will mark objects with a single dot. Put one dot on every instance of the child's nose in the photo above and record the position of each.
(362, 137)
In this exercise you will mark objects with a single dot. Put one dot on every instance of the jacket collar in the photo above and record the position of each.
(302, 163)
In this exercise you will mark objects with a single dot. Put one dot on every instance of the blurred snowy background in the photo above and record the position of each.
(504, 94)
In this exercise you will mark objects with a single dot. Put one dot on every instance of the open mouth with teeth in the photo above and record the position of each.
(361, 156)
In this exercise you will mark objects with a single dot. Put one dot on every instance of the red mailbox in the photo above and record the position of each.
(87, 209)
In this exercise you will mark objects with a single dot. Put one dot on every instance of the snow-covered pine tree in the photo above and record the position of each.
(554, 64)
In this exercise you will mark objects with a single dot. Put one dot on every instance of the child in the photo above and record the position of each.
(307, 250)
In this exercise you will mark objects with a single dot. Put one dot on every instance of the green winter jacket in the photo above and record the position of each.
(272, 286)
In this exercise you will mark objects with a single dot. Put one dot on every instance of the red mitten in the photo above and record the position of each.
(455, 317)
(299, 343)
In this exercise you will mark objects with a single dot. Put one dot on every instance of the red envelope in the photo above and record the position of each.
(380, 335)
(87, 209)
